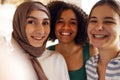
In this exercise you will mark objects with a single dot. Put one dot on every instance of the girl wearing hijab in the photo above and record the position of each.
(31, 27)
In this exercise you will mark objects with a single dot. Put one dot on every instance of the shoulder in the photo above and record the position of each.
(11, 59)
(52, 61)
(15, 46)
(91, 66)
(93, 59)
(51, 56)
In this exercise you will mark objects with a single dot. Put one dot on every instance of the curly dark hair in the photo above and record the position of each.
(56, 8)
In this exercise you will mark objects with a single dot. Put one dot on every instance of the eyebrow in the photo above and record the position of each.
(70, 18)
(37, 18)
(93, 17)
(31, 17)
(73, 19)
(109, 18)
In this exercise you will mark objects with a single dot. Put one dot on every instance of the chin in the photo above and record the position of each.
(36, 45)
(97, 45)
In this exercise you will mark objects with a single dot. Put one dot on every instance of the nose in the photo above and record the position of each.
(40, 29)
(66, 26)
(99, 27)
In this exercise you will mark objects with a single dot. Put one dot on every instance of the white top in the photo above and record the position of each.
(54, 65)
(15, 64)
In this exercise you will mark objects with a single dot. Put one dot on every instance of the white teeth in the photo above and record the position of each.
(99, 36)
(38, 38)
(66, 34)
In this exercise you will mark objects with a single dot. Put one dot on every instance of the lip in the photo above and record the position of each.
(38, 37)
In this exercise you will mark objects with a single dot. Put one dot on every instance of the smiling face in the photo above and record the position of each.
(104, 27)
(66, 27)
(37, 28)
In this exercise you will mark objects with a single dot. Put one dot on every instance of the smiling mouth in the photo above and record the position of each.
(65, 33)
(37, 37)
(99, 36)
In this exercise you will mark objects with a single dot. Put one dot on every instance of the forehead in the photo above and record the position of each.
(68, 13)
(104, 10)
(38, 14)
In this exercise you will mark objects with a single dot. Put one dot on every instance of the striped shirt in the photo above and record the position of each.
(112, 70)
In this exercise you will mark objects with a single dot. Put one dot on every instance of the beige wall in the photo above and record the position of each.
(77, 2)
(17, 2)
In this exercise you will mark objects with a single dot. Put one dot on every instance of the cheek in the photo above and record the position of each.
(75, 29)
(57, 28)
(28, 30)
(47, 30)
(113, 30)
(88, 29)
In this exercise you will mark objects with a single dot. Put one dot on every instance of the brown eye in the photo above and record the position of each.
(60, 21)
(92, 21)
(109, 22)
(31, 22)
(73, 23)
(46, 23)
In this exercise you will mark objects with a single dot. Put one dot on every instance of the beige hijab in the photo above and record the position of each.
(19, 22)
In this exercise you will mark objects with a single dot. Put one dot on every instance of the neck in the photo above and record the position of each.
(67, 48)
